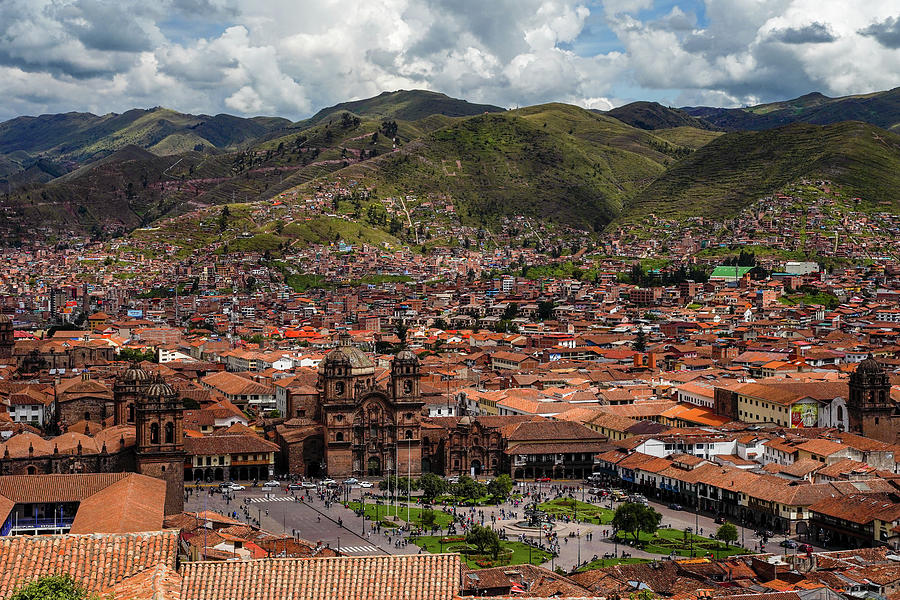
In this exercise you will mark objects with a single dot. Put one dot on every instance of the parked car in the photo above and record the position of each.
(542, 479)
(295, 486)
(675, 506)
(788, 544)
(720, 519)
(329, 482)
(308, 485)
(272, 483)
(804, 548)
(453, 479)
(366, 484)
(351, 481)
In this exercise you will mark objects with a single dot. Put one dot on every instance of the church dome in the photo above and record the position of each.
(406, 357)
(160, 389)
(348, 355)
(135, 374)
(869, 365)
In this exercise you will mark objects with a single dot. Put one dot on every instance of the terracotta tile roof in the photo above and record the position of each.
(55, 488)
(134, 503)
(821, 447)
(162, 582)
(858, 508)
(97, 562)
(410, 577)
(227, 444)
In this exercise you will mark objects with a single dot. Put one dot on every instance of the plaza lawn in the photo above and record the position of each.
(609, 562)
(518, 552)
(589, 513)
(449, 500)
(441, 519)
(664, 541)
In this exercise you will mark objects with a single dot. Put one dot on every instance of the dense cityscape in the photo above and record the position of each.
(409, 346)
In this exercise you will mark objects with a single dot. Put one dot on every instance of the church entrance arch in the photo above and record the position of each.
(476, 467)
(373, 466)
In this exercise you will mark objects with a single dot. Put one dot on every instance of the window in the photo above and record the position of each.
(87, 416)
(339, 436)
(154, 433)
(409, 434)
(338, 418)
(170, 433)
(840, 413)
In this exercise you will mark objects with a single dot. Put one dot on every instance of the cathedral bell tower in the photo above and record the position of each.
(870, 409)
(129, 387)
(160, 440)
(407, 405)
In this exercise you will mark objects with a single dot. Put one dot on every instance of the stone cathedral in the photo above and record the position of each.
(357, 427)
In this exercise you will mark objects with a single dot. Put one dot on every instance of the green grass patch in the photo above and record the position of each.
(512, 553)
(583, 510)
(665, 541)
(414, 515)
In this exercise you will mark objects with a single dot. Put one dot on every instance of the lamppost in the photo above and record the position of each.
(578, 535)
(690, 532)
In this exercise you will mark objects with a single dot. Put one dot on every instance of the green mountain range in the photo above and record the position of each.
(406, 105)
(652, 115)
(880, 108)
(554, 162)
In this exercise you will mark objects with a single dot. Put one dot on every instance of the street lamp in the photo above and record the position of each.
(578, 535)
(690, 532)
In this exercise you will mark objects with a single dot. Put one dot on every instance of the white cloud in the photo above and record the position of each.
(291, 58)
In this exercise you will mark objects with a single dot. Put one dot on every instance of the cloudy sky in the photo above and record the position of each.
(292, 57)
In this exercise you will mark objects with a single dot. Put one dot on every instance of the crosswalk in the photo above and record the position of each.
(360, 550)
(275, 499)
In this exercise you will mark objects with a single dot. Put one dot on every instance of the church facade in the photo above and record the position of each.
(358, 428)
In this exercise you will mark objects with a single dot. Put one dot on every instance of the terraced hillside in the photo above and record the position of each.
(737, 168)
(553, 161)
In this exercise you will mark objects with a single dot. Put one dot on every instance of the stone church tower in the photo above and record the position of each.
(160, 440)
(128, 388)
(870, 410)
(7, 339)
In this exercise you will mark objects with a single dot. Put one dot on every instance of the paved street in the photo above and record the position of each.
(338, 527)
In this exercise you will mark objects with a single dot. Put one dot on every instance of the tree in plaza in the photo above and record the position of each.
(500, 487)
(468, 488)
(635, 518)
(432, 486)
(428, 518)
(727, 533)
(52, 587)
(485, 539)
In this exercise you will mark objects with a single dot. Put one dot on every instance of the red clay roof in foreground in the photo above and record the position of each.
(410, 577)
(96, 561)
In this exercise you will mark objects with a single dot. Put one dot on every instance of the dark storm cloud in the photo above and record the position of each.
(814, 33)
(887, 32)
